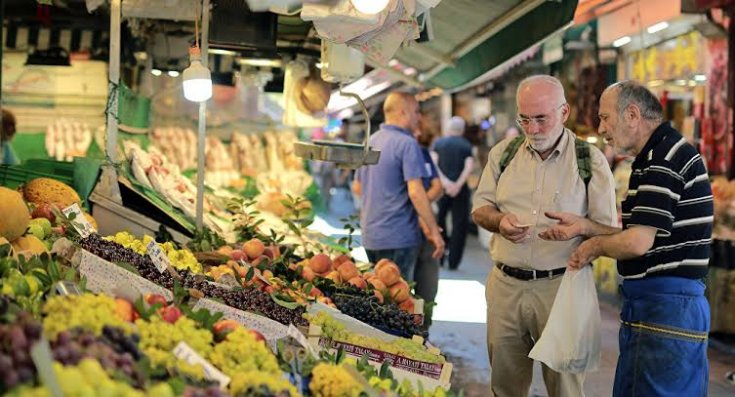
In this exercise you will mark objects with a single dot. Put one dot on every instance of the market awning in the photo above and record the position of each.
(455, 57)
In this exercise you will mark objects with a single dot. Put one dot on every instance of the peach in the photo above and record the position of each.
(225, 250)
(315, 292)
(348, 270)
(358, 282)
(389, 274)
(267, 274)
(400, 292)
(253, 248)
(382, 263)
(334, 276)
(368, 275)
(380, 296)
(261, 260)
(308, 274)
(377, 284)
(124, 310)
(320, 263)
(238, 255)
(407, 306)
(340, 259)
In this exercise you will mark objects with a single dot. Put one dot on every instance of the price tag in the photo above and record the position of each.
(182, 351)
(158, 257)
(44, 362)
(80, 222)
(296, 334)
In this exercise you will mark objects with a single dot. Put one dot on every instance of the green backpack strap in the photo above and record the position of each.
(510, 152)
(582, 150)
(584, 160)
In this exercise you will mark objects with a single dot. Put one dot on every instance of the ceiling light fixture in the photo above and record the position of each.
(700, 77)
(263, 62)
(622, 41)
(197, 78)
(370, 6)
(657, 27)
(156, 72)
(173, 73)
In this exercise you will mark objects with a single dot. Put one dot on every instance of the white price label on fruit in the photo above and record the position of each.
(80, 222)
(182, 351)
(296, 334)
(158, 257)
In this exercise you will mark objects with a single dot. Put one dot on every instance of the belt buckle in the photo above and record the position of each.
(551, 274)
(534, 275)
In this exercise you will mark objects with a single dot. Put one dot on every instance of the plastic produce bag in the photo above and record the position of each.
(570, 341)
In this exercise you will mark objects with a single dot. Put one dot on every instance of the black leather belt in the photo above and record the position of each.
(526, 275)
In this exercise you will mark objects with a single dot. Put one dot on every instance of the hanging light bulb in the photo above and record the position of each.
(197, 79)
(370, 6)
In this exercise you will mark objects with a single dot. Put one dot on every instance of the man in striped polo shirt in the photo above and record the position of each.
(662, 251)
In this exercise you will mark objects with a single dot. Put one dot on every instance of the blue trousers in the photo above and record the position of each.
(405, 258)
(663, 339)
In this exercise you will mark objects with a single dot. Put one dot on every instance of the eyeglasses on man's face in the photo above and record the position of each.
(524, 121)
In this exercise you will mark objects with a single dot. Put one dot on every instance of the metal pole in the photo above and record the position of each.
(202, 136)
(108, 185)
(114, 77)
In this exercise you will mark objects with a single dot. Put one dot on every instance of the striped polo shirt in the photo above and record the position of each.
(669, 189)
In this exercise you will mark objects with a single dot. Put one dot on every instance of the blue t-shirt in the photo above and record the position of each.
(388, 218)
(452, 151)
(9, 157)
(429, 167)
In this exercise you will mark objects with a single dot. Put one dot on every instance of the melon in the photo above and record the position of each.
(50, 191)
(29, 245)
(14, 215)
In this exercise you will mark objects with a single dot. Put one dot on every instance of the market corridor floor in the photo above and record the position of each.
(459, 331)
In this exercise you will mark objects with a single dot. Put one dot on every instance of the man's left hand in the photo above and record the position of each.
(588, 251)
(569, 227)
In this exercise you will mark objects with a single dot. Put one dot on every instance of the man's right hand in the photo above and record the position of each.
(510, 229)
(436, 239)
(569, 227)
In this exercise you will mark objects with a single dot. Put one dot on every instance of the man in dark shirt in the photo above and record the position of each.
(453, 155)
(663, 249)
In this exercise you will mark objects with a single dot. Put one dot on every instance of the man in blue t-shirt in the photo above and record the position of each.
(392, 191)
(453, 155)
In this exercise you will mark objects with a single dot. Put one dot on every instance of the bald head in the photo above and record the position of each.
(401, 109)
(541, 85)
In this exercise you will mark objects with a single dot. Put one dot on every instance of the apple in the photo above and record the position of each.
(253, 248)
(225, 325)
(258, 336)
(170, 314)
(382, 263)
(152, 299)
(368, 275)
(320, 263)
(44, 211)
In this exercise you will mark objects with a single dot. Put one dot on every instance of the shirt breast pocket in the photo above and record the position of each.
(569, 197)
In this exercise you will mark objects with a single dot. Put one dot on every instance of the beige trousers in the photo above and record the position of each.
(516, 314)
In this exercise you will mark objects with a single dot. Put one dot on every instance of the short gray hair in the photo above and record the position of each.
(633, 93)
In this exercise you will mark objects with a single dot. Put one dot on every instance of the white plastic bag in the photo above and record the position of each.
(570, 341)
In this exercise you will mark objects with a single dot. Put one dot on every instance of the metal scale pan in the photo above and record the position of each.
(346, 155)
